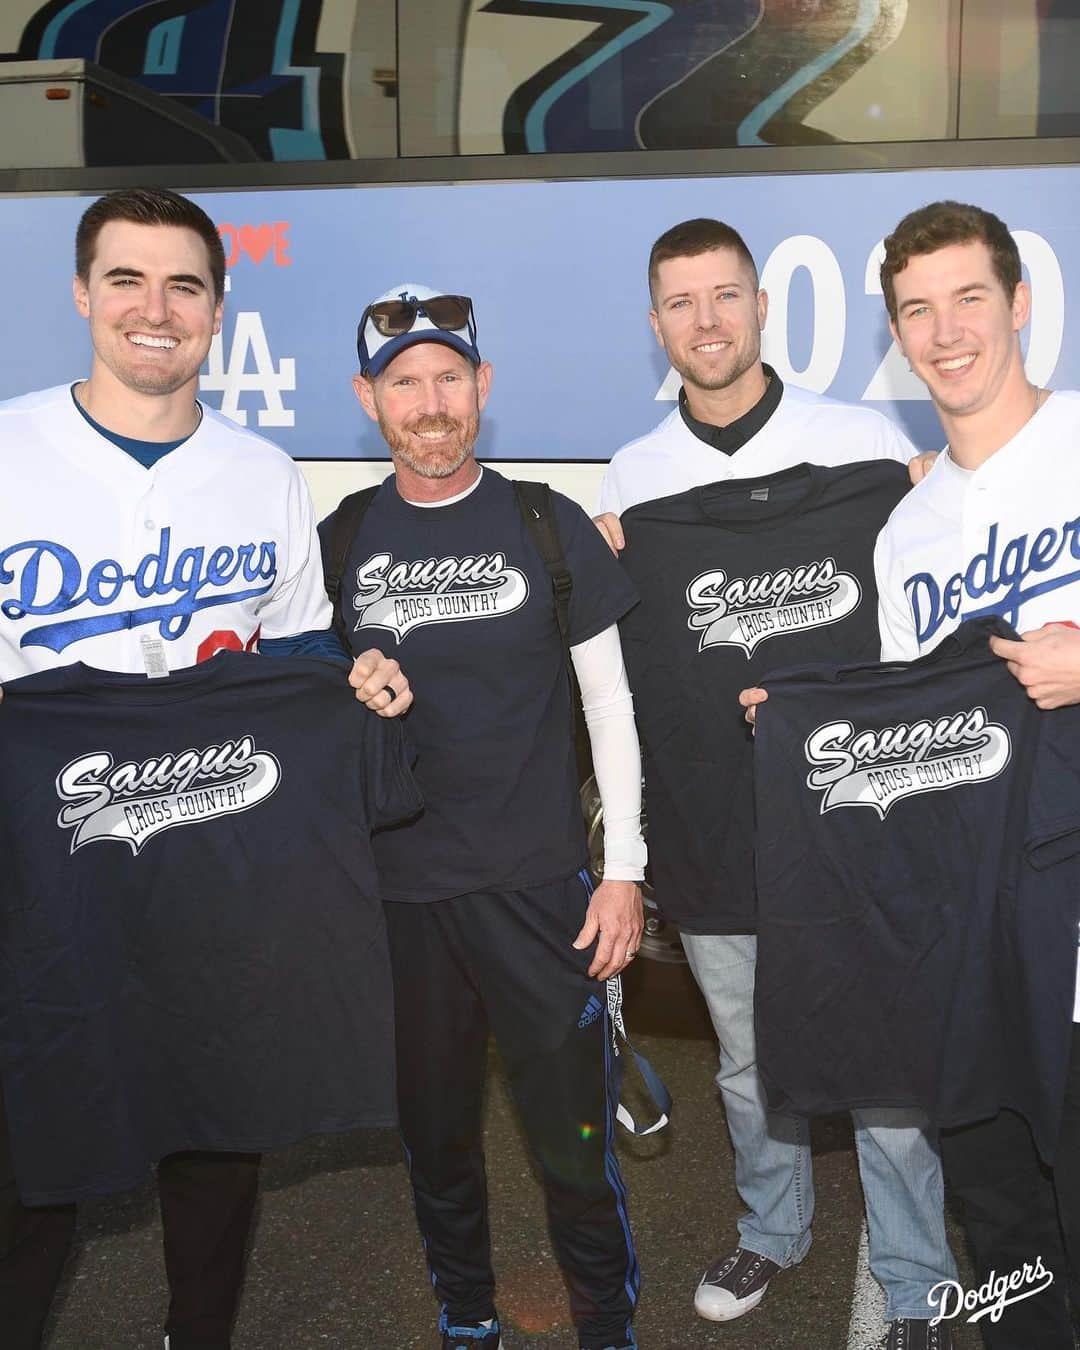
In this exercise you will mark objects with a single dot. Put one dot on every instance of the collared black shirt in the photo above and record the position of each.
(735, 435)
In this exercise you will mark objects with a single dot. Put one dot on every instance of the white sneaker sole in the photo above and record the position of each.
(714, 1310)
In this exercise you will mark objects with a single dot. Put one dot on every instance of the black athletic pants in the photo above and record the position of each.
(1015, 1209)
(502, 961)
(207, 1200)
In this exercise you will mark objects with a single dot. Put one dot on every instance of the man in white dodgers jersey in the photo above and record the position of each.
(736, 419)
(993, 529)
(144, 532)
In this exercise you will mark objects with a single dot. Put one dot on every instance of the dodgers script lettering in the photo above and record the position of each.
(51, 579)
(999, 579)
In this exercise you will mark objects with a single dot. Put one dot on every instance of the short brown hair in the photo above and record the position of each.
(937, 226)
(690, 238)
(148, 206)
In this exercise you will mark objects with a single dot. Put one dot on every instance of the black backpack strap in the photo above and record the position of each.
(336, 541)
(538, 512)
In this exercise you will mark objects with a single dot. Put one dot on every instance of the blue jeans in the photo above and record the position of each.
(898, 1159)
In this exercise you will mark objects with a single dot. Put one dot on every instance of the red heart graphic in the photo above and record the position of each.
(256, 241)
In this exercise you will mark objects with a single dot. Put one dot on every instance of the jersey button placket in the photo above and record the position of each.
(972, 532)
(978, 518)
(150, 503)
(142, 543)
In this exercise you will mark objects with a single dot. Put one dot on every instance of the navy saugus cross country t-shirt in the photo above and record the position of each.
(460, 596)
(192, 948)
(735, 578)
(919, 888)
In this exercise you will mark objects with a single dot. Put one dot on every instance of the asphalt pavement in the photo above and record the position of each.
(336, 1261)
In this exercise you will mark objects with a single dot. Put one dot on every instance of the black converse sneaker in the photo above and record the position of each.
(733, 1285)
(911, 1333)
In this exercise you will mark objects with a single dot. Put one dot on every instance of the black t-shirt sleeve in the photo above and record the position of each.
(602, 592)
(1053, 833)
(387, 787)
(325, 530)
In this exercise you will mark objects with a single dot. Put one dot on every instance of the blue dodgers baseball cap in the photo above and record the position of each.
(408, 314)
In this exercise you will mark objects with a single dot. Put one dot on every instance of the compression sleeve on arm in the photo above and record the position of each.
(609, 716)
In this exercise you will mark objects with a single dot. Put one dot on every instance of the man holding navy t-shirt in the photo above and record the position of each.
(737, 422)
(992, 530)
(148, 533)
(489, 911)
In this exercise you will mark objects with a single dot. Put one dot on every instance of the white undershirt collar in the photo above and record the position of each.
(449, 501)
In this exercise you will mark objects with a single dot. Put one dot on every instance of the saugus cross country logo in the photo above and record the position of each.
(406, 595)
(743, 611)
(133, 802)
(876, 768)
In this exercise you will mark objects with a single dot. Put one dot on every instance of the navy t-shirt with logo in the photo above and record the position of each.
(192, 948)
(460, 596)
(919, 888)
(735, 578)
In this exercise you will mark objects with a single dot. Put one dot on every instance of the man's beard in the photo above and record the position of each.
(702, 377)
(438, 461)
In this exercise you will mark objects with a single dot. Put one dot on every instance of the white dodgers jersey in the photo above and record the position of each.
(109, 563)
(1001, 539)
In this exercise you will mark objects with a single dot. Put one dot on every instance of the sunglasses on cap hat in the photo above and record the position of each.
(391, 318)
(413, 313)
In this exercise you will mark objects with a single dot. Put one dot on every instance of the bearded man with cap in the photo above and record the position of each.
(493, 925)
